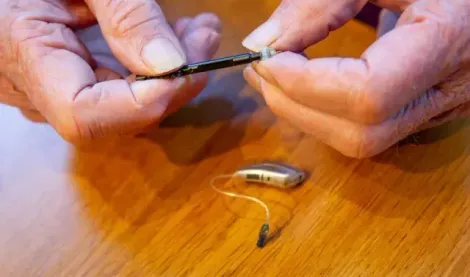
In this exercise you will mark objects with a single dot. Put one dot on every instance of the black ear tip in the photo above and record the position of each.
(263, 235)
(261, 243)
(307, 175)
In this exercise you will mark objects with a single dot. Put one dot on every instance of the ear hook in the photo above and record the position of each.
(273, 174)
(264, 232)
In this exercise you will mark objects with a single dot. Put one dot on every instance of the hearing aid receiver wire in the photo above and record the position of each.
(263, 234)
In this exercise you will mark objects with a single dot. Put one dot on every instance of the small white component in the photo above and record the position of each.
(267, 52)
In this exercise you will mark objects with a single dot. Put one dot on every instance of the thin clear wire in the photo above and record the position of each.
(238, 195)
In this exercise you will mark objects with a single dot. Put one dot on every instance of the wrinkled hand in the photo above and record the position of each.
(413, 77)
(57, 66)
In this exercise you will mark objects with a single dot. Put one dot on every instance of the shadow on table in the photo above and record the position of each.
(417, 153)
(148, 177)
(406, 181)
(212, 124)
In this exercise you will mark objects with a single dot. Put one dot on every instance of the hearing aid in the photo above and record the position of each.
(273, 174)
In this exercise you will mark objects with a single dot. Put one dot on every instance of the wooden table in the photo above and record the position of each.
(143, 206)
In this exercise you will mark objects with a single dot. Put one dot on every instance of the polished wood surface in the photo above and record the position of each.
(143, 206)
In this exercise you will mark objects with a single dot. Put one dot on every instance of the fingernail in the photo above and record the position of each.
(156, 92)
(162, 56)
(258, 69)
(264, 72)
(263, 36)
(252, 78)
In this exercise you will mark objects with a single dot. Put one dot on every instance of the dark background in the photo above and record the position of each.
(369, 15)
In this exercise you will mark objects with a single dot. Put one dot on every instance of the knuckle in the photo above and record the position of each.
(66, 125)
(366, 108)
(209, 17)
(449, 29)
(208, 20)
(71, 124)
(360, 144)
(28, 33)
(68, 130)
(447, 20)
(128, 16)
(26, 30)
(272, 103)
(274, 108)
(75, 131)
(83, 124)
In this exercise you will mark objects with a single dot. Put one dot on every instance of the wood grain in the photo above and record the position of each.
(143, 206)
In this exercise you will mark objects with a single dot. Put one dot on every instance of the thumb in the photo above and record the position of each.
(139, 35)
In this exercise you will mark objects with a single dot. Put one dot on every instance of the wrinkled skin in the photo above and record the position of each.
(59, 66)
(415, 76)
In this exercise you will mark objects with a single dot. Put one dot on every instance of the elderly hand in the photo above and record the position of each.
(53, 66)
(413, 77)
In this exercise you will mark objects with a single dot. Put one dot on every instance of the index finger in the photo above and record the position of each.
(139, 35)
